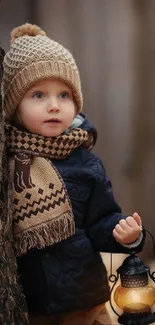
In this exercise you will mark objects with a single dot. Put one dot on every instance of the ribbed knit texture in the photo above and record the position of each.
(33, 57)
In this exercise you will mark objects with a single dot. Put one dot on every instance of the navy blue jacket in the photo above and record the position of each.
(70, 275)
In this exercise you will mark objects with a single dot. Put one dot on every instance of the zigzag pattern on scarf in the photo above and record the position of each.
(48, 207)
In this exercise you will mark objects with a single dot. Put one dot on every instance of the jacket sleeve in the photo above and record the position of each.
(103, 214)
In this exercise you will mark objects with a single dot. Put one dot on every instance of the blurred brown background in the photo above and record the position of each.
(113, 42)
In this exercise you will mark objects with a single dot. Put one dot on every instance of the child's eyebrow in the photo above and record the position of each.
(65, 89)
(36, 87)
(42, 87)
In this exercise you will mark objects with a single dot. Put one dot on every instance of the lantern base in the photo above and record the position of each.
(137, 318)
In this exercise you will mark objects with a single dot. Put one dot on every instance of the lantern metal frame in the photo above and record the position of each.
(137, 318)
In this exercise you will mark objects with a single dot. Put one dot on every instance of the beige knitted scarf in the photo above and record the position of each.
(41, 209)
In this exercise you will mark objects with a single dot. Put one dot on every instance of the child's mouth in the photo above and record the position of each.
(53, 120)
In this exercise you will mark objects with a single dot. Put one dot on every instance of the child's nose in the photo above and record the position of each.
(53, 105)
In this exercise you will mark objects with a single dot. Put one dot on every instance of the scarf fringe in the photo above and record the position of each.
(45, 234)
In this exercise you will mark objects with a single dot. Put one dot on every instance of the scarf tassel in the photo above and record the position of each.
(45, 234)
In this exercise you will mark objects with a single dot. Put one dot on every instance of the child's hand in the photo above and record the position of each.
(128, 230)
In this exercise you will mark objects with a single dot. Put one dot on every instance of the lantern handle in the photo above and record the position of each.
(153, 241)
(113, 279)
(152, 275)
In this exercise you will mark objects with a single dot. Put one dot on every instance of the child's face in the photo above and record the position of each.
(47, 108)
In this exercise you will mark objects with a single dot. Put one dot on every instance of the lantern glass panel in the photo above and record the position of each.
(134, 295)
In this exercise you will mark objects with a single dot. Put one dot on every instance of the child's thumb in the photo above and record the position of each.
(137, 218)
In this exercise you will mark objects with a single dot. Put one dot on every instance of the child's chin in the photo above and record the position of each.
(50, 134)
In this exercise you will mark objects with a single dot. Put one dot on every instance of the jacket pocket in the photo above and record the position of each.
(77, 192)
(78, 247)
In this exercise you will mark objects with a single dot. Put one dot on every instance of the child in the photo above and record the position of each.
(63, 208)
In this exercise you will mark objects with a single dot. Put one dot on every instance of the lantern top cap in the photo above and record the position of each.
(133, 265)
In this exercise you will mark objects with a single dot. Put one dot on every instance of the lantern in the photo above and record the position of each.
(136, 294)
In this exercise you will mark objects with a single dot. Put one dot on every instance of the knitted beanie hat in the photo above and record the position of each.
(34, 56)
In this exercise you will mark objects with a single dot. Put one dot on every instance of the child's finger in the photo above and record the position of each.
(131, 222)
(119, 230)
(116, 236)
(128, 224)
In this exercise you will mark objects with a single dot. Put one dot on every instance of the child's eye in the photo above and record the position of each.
(38, 95)
(64, 95)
